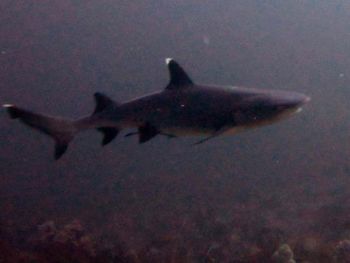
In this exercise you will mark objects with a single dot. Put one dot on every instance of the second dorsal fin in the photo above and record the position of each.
(178, 77)
(103, 102)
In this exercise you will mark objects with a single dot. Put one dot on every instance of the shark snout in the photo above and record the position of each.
(300, 99)
(289, 100)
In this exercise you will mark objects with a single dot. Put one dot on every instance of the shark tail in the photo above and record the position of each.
(60, 129)
(63, 130)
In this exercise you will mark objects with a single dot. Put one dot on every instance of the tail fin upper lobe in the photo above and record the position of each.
(61, 130)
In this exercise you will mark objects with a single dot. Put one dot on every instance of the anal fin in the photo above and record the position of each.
(108, 134)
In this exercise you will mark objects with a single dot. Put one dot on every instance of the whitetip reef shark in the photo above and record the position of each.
(182, 108)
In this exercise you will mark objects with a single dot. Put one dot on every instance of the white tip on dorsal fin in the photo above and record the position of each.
(168, 60)
(8, 105)
(178, 77)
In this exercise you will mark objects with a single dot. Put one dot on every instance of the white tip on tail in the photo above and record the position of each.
(8, 105)
(168, 60)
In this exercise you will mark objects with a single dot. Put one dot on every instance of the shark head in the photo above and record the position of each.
(223, 107)
(268, 106)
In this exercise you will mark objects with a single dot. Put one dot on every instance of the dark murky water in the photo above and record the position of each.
(232, 199)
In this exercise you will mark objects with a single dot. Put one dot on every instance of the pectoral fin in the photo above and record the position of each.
(169, 136)
(60, 149)
(147, 132)
(215, 134)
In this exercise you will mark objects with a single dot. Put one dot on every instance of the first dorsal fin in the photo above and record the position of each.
(178, 77)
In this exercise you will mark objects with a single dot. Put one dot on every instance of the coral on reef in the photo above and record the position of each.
(284, 254)
(71, 234)
(342, 252)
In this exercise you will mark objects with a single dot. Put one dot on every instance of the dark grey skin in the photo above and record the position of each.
(182, 108)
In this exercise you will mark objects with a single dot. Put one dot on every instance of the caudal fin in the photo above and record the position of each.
(61, 130)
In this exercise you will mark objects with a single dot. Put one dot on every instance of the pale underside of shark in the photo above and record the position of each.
(182, 108)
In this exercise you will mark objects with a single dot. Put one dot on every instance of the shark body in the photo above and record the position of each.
(182, 108)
